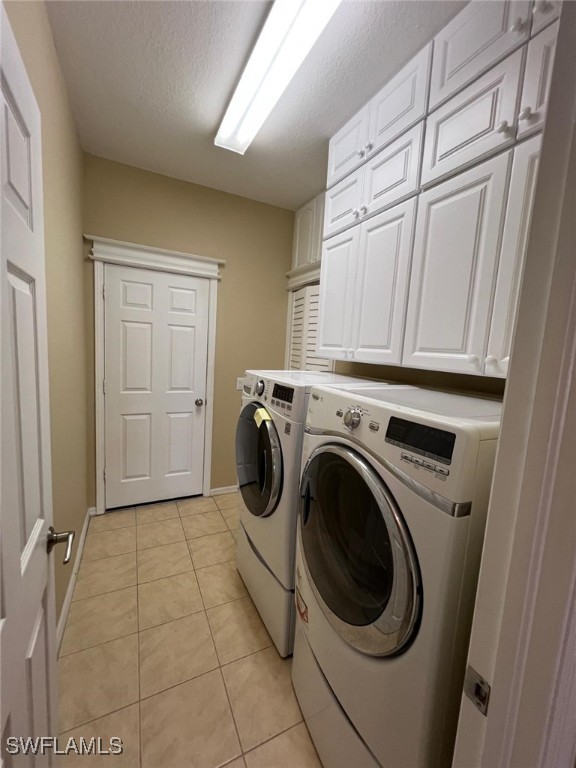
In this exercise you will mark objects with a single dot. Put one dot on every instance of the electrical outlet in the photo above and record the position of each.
(239, 383)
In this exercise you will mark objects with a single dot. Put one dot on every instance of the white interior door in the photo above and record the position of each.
(27, 615)
(156, 348)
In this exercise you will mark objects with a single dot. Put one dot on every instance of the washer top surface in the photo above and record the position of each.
(307, 378)
(448, 404)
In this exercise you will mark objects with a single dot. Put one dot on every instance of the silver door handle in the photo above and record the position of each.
(199, 401)
(54, 538)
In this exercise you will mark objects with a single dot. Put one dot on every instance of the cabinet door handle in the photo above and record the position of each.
(368, 146)
(503, 127)
(517, 26)
(474, 359)
(355, 213)
(361, 152)
(363, 210)
(540, 7)
(525, 114)
(491, 360)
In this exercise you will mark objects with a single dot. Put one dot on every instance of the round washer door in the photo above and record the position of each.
(258, 460)
(358, 553)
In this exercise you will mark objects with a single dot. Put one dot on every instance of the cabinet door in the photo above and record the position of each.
(513, 251)
(343, 203)
(477, 122)
(347, 149)
(302, 246)
(455, 258)
(394, 173)
(544, 12)
(475, 39)
(382, 284)
(337, 281)
(318, 226)
(401, 103)
(537, 79)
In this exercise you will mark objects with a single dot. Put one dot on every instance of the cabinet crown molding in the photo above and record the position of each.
(147, 257)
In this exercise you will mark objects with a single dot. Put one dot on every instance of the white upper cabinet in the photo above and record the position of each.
(401, 103)
(544, 12)
(478, 121)
(381, 285)
(347, 149)
(308, 223)
(343, 203)
(394, 173)
(537, 79)
(337, 283)
(455, 259)
(363, 286)
(303, 235)
(513, 251)
(478, 37)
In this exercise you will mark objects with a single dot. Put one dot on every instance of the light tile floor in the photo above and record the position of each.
(164, 648)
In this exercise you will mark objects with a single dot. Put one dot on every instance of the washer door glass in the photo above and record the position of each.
(258, 460)
(358, 552)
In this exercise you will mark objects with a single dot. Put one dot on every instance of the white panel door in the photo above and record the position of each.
(475, 39)
(513, 251)
(337, 283)
(537, 80)
(479, 121)
(156, 345)
(401, 103)
(382, 285)
(27, 613)
(347, 149)
(343, 203)
(319, 203)
(455, 260)
(394, 173)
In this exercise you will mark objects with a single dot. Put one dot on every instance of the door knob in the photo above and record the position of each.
(54, 538)
(199, 401)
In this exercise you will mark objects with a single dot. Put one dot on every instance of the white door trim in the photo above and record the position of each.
(524, 629)
(142, 256)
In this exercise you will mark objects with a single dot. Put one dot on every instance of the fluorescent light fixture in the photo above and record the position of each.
(290, 31)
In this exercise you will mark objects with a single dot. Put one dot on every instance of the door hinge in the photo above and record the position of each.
(104, 386)
(103, 293)
(477, 689)
(104, 474)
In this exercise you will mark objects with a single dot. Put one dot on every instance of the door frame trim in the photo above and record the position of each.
(106, 251)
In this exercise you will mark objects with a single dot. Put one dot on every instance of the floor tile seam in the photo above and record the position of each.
(232, 560)
(162, 544)
(139, 523)
(169, 621)
(101, 594)
(106, 714)
(158, 578)
(252, 653)
(181, 682)
(98, 645)
(105, 557)
(109, 530)
(271, 738)
(232, 714)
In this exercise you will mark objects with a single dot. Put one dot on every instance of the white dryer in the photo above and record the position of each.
(394, 493)
(268, 457)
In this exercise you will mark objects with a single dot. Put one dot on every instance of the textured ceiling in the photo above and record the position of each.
(149, 83)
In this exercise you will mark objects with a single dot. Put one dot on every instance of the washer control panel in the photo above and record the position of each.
(352, 418)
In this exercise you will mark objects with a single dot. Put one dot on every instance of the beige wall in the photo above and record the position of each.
(63, 172)
(125, 203)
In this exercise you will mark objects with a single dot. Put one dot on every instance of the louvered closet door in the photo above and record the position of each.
(156, 340)
(304, 332)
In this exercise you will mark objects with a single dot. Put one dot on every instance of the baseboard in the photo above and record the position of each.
(72, 583)
(221, 491)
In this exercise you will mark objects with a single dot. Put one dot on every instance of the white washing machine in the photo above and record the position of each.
(393, 499)
(268, 458)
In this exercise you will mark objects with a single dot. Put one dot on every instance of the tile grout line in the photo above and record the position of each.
(107, 714)
(271, 738)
